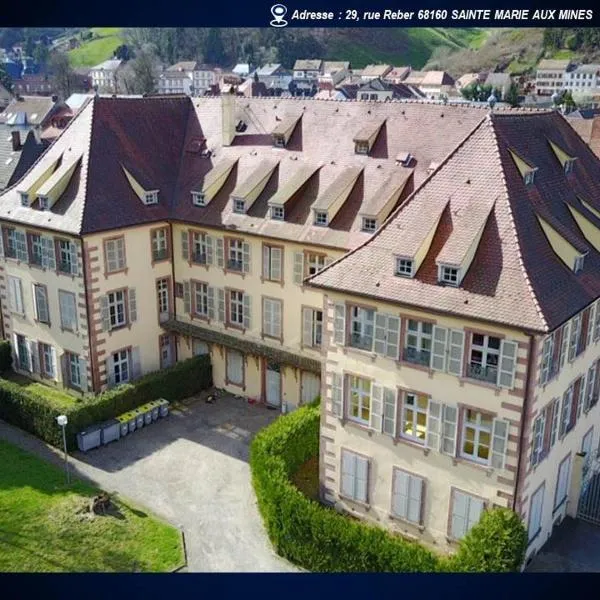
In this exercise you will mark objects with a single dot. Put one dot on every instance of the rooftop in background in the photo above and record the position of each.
(182, 66)
(313, 64)
(553, 65)
(17, 154)
(27, 111)
(108, 65)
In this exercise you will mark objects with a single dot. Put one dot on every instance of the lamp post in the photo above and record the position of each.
(62, 421)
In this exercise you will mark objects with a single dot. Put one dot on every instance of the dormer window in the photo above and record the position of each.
(361, 147)
(568, 166)
(404, 267)
(24, 199)
(279, 141)
(404, 158)
(44, 203)
(321, 218)
(449, 275)
(239, 206)
(578, 264)
(369, 224)
(277, 213)
(151, 197)
(529, 177)
(198, 199)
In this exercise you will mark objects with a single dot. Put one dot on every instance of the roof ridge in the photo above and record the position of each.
(513, 227)
(85, 163)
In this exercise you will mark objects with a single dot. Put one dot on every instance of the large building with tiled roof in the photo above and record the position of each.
(157, 228)
(461, 360)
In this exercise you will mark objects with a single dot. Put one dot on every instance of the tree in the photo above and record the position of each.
(29, 45)
(139, 74)
(512, 95)
(123, 52)
(568, 102)
(64, 77)
(5, 79)
(41, 54)
(214, 50)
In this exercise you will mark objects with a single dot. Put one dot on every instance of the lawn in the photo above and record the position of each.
(55, 397)
(42, 530)
(99, 49)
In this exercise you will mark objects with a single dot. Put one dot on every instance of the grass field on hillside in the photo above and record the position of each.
(99, 49)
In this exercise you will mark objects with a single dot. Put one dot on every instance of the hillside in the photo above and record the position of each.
(98, 49)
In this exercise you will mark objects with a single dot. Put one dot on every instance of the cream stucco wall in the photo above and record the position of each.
(441, 472)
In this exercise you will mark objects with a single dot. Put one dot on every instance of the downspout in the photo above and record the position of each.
(89, 302)
(524, 417)
(173, 285)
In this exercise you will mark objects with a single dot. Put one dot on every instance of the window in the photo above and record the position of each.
(10, 242)
(151, 198)
(355, 476)
(235, 259)
(35, 249)
(272, 318)
(73, 370)
(314, 263)
(555, 421)
(235, 367)
(535, 513)
(279, 141)
(199, 248)
(120, 366)
(40, 299)
(23, 356)
(200, 299)
(485, 353)
(65, 257)
(466, 512)
(565, 415)
(568, 166)
(239, 206)
(360, 399)
(404, 267)
(578, 264)
(272, 263)
(116, 309)
(321, 218)
(449, 275)
(162, 292)
(361, 327)
(418, 342)
(562, 482)
(47, 360)
(476, 436)
(277, 213)
(407, 496)
(369, 224)
(414, 417)
(198, 199)
(547, 355)
(591, 394)
(114, 251)
(15, 295)
(361, 147)
(68, 310)
(539, 431)
(24, 197)
(312, 327)
(160, 244)
(236, 308)
(529, 177)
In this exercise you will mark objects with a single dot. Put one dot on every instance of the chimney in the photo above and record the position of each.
(228, 117)
(16, 140)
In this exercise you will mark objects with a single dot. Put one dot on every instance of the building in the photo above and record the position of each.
(220, 225)
(18, 151)
(500, 82)
(587, 124)
(273, 76)
(583, 80)
(334, 72)
(205, 76)
(177, 79)
(305, 77)
(29, 112)
(441, 399)
(105, 78)
(241, 70)
(380, 91)
(375, 72)
(550, 76)
(434, 84)
(468, 79)
(5, 97)
(397, 74)
(33, 84)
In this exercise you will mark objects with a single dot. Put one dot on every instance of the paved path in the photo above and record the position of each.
(191, 469)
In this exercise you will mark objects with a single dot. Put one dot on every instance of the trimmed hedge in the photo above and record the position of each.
(320, 539)
(5, 356)
(36, 414)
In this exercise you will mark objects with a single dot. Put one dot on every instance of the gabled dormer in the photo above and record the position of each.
(212, 183)
(527, 171)
(589, 227)
(53, 188)
(28, 195)
(288, 189)
(566, 246)
(379, 205)
(332, 199)
(365, 139)
(249, 189)
(565, 159)
(147, 196)
(284, 129)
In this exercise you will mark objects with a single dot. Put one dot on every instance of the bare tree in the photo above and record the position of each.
(64, 77)
(139, 75)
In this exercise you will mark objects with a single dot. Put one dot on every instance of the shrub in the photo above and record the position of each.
(320, 539)
(5, 356)
(37, 414)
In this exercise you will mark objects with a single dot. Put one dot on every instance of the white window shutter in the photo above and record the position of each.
(339, 324)
(449, 427)
(348, 473)
(54, 360)
(438, 352)
(456, 352)
(36, 314)
(380, 331)
(209, 249)
(83, 374)
(185, 245)
(132, 305)
(547, 352)
(74, 260)
(591, 323)
(266, 268)
(211, 301)
(389, 411)
(508, 363)
(362, 479)
(220, 253)
(15, 350)
(434, 425)
(110, 372)
(401, 494)
(460, 511)
(48, 253)
(277, 318)
(307, 326)
(337, 394)
(105, 313)
(414, 499)
(392, 337)
(276, 263)
(376, 413)
(247, 312)
(475, 509)
(34, 356)
(246, 257)
(136, 367)
(1, 244)
(187, 297)
(221, 307)
(499, 443)
(21, 246)
(564, 348)
(298, 267)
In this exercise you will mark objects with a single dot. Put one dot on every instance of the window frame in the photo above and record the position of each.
(162, 293)
(370, 221)
(231, 248)
(121, 265)
(277, 212)
(44, 289)
(486, 352)
(558, 503)
(160, 252)
(273, 326)
(63, 256)
(478, 429)
(269, 248)
(122, 361)
(313, 260)
(199, 199)
(238, 302)
(453, 491)
(72, 359)
(420, 337)
(361, 394)
(446, 278)
(116, 303)
(416, 410)
(403, 272)
(60, 307)
(362, 321)
(199, 288)
(321, 218)
(423, 483)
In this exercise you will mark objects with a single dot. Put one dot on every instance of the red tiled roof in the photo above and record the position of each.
(515, 277)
